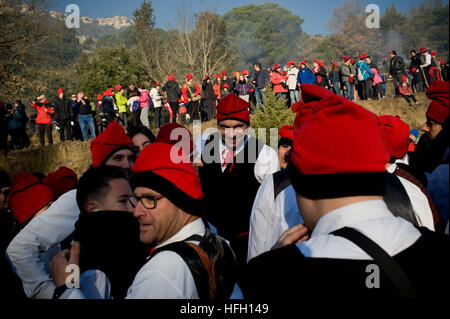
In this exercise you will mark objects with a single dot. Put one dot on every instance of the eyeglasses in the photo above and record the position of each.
(148, 201)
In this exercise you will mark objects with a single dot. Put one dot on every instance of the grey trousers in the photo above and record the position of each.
(144, 117)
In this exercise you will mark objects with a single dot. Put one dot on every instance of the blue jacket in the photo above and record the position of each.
(15, 121)
(365, 70)
(261, 78)
(305, 76)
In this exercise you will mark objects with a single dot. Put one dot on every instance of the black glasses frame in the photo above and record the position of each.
(148, 201)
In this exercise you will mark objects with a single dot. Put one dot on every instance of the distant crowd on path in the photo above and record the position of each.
(79, 118)
(228, 217)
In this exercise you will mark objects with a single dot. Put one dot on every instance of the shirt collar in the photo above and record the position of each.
(195, 227)
(351, 214)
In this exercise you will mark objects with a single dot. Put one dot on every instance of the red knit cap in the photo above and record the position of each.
(352, 61)
(304, 63)
(404, 78)
(245, 72)
(174, 133)
(398, 134)
(413, 70)
(60, 91)
(226, 86)
(206, 76)
(287, 131)
(118, 87)
(109, 92)
(217, 75)
(290, 62)
(346, 167)
(224, 72)
(170, 77)
(433, 53)
(346, 57)
(362, 56)
(111, 140)
(276, 66)
(61, 181)
(438, 109)
(233, 108)
(27, 196)
(167, 170)
(423, 50)
(99, 97)
(189, 77)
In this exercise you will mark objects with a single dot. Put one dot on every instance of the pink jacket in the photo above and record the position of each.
(143, 99)
(377, 78)
(277, 78)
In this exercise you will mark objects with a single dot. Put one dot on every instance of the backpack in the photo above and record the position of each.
(360, 74)
(135, 106)
(211, 262)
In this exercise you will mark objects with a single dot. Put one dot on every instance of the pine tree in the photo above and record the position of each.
(274, 114)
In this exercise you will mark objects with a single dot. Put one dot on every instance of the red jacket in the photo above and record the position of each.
(217, 90)
(184, 92)
(404, 90)
(43, 112)
(276, 79)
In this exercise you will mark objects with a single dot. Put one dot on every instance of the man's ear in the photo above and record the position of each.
(91, 206)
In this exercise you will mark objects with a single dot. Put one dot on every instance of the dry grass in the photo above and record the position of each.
(76, 154)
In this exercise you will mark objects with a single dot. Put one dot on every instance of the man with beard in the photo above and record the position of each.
(106, 234)
(432, 151)
(112, 147)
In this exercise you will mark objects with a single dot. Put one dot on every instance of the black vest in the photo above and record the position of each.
(425, 263)
(229, 196)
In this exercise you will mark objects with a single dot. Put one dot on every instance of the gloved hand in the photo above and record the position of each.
(72, 123)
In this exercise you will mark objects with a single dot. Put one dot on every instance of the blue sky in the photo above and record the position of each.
(315, 13)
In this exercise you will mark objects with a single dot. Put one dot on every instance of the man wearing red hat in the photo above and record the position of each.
(173, 92)
(61, 181)
(112, 147)
(291, 82)
(64, 116)
(305, 75)
(353, 233)
(396, 70)
(348, 74)
(233, 165)
(43, 119)
(364, 75)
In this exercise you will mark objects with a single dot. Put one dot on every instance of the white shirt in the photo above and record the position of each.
(419, 201)
(427, 60)
(28, 251)
(292, 78)
(372, 218)
(156, 97)
(266, 164)
(270, 218)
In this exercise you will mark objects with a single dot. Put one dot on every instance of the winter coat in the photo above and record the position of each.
(347, 71)
(21, 110)
(320, 75)
(396, 65)
(305, 76)
(277, 79)
(14, 121)
(292, 79)
(63, 109)
(217, 90)
(195, 89)
(121, 102)
(404, 90)
(135, 92)
(173, 91)
(376, 77)
(156, 97)
(84, 109)
(208, 91)
(261, 78)
(44, 112)
(230, 83)
(334, 77)
(242, 88)
(144, 99)
(364, 69)
(415, 62)
(108, 105)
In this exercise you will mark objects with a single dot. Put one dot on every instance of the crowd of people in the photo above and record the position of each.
(79, 118)
(226, 216)
(164, 217)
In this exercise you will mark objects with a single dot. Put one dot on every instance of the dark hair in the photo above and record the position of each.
(152, 83)
(133, 130)
(94, 184)
(257, 64)
(18, 102)
(413, 50)
(40, 176)
(5, 180)
(9, 106)
(368, 57)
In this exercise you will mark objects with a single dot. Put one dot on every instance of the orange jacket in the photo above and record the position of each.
(217, 90)
(43, 112)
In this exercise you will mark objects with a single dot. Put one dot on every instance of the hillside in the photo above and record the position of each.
(76, 154)
(96, 27)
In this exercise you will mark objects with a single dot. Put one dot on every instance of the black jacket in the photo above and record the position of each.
(397, 65)
(85, 109)
(63, 109)
(415, 62)
(208, 91)
(173, 91)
